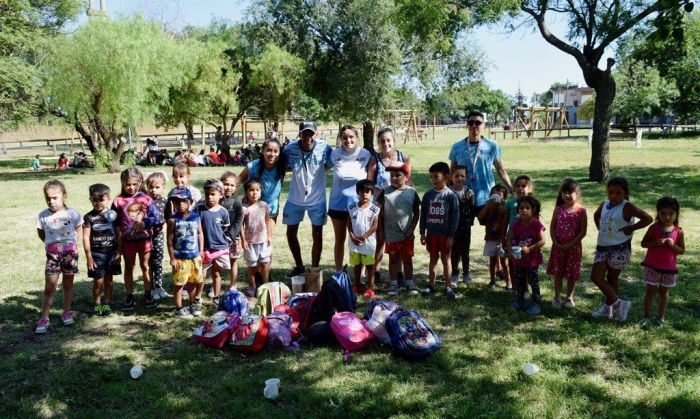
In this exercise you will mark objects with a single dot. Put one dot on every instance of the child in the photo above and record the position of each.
(100, 245)
(614, 219)
(523, 186)
(185, 244)
(233, 232)
(399, 214)
(255, 234)
(493, 217)
(439, 217)
(463, 237)
(181, 179)
(362, 224)
(37, 166)
(136, 216)
(215, 222)
(567, 229)
(155, 186)
(58, 227)
(527, 233)
(664, 241)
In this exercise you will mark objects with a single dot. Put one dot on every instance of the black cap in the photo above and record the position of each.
(307, 126)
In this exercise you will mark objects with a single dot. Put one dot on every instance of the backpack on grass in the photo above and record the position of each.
(306, 307)
(234, 302)
(351, 332)
(250, 335)
(411, 336)
(217, 330)
(336, 296)
(271, 295)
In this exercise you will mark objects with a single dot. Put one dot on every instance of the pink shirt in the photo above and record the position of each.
(527, 235)
(662, 258)
(254, 222)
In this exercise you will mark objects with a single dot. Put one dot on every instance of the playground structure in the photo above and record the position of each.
(405, 124)
(540, 118)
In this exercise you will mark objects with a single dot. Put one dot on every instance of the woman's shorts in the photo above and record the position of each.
(338, 215)
(494, 248)
(61, 258)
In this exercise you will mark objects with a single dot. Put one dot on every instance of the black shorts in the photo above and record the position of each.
(338, 215)
(104, 265)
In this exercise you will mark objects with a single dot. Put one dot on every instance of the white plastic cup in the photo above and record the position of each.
(136, 371)
(298, 284)
(272, 388)
(517, 251)
(496, 197)
(530, 369)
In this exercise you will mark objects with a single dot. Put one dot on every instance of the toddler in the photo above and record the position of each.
(362, 223)
(493, 217)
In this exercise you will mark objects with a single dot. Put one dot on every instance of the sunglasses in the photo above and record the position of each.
(474, 122)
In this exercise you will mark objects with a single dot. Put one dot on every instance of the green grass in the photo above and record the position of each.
(589, 368)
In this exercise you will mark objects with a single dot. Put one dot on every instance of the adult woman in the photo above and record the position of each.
(376, 171)
(349, 164)
(269, 169)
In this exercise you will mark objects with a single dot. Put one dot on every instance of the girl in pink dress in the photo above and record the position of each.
(568, 228)
(664, 242)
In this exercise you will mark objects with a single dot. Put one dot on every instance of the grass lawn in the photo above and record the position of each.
(588, 367)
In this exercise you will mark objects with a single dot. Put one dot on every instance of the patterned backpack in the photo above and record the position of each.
(234, 302)
(411, 337)
(251, 334)
(271, 295)
(217, 330)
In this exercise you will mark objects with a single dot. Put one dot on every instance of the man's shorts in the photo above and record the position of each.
(338, 215)
(257, 253)
(104, 265)
(616, 257)
(218, 257)
(293, 214)
(190, 271)
(403, 248)
(494, 248)
(235, 250)
(61, 258)
(360, 259)
(437, 244)
(137, 247)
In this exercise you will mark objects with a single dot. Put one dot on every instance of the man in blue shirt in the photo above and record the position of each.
(307, 159)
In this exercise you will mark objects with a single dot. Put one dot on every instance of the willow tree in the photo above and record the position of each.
(109, 76)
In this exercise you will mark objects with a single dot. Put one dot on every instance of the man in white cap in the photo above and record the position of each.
(307, 158)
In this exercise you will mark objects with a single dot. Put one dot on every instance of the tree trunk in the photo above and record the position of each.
(115, 167)
(189, 127)
(368, 136)
(599, 169)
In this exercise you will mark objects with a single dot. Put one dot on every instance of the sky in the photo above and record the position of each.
(521, 59)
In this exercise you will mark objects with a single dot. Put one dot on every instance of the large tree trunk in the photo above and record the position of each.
(189, 127)
(599, 169)
(368, 136)
(115, 167)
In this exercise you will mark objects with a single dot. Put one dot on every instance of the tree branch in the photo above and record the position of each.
(613, 35)
(551, 38)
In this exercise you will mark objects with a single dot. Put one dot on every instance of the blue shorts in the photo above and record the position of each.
(293, 214)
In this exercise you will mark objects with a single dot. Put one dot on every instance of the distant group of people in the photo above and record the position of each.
(80, 161)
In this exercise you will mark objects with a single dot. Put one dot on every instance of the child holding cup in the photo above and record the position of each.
(526, 238)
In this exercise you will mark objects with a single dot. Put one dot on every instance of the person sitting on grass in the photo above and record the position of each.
(62, 163)
(439, 218)
(37, 166)
(185, 246)
(362, 222)
(100, 245)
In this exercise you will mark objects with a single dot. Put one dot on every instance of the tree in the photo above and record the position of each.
(111, 75)
(25, 28)
(641, 92)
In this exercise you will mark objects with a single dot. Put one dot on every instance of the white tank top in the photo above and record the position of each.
(611, 221)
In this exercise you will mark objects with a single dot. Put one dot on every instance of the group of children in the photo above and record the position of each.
(211, 233)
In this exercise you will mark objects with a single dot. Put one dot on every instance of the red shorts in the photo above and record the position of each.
(137, 247)
(404, 248)
(436, 244)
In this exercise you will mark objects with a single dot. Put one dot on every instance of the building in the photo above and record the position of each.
(572, 97)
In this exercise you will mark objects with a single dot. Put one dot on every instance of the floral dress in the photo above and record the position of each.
(566, 263)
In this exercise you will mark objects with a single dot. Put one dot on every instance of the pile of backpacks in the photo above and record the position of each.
(279, 319)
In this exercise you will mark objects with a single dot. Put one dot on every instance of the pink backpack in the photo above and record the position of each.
(217, 330)
(351, 332)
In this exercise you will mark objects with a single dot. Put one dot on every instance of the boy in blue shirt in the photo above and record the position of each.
(215, 221)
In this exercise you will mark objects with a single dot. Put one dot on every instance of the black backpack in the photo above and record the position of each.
(336, 295)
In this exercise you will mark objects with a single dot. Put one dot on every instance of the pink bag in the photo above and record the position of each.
(217, 330)
(351, 332)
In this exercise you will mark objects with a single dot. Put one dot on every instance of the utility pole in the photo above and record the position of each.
(102, 11)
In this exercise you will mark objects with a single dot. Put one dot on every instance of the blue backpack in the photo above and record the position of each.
(411, 337)
(336, 296)
(234, 302)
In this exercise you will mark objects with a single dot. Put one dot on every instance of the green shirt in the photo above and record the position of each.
(512, 210)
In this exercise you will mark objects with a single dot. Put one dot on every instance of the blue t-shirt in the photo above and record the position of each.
(186, 236)
(271, 185)
(214, 224)
(348, 168)
(308, 184)
(480, 175)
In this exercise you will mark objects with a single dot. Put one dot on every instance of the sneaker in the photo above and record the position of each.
(603, 311)
(369, 294)
(428, 290)
(393, 289)
(492, 284)
(363, 280)
(196, 308)
(468, 279)
(42, 326)
(661, 322)
(411, 287)
(556, 304)
(298, 270)
(183, 313)
(215, 300)
(148, 300)
(455, 279)
(67, 318)
(449, 294)
(159, 293)
(535, 309)
(569, 303)
(106, 310)
(129, 304)
(210, 293)
(645, 323)
(622, 310)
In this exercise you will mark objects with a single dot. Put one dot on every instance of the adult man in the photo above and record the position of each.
(307, 159)
(479, 155)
